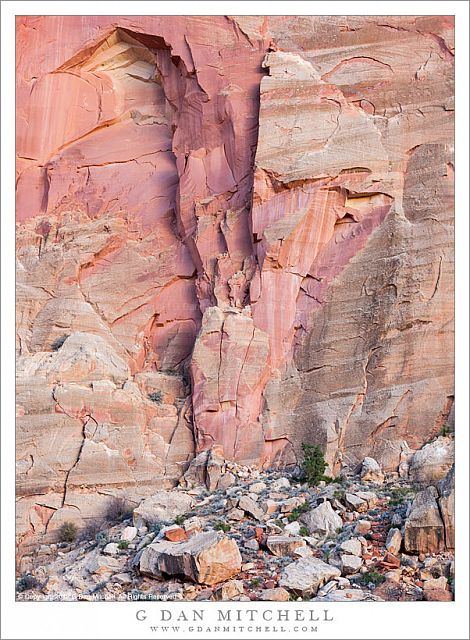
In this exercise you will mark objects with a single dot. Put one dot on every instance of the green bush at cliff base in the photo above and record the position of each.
(314, 465)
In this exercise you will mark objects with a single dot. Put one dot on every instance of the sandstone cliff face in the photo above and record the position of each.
(232, 231)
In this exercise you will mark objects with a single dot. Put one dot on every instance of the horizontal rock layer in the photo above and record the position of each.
(232, 232)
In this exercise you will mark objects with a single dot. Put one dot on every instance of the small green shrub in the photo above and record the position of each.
(445, 431)
(123, 544)
(222, 526)
(26, 582)
(58, 342)
(67, 532)
(256, 582)
(372, 576)
(156, 396)
(180, 519)
(303, 531)
(399, 495)
(314, 464)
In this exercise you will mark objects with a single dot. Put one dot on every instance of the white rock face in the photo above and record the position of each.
(352, 546)
(371, 471)
(432, 463)
(350, 564)
(322, 520)
(128, 534)
(304, 577)
(164, 505)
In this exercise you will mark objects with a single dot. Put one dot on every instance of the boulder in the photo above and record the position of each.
(175, 534)
(105, 565)
(352, 546)
(214, 466)
(350, 564)
(371, 471)
(111, 549)
(229, 590)
(250, 507)
(362, 527)
(206, 558)
(438, 595)
(432, 463)
(393, 542)
(280, 484)
(226, 481)
(369, 496)
(424, 529)
(195, 474)
(322, 521)
(128, 534)
(446, 489)
(162, 506)
(355, 503)
(304, 577)
(278, 594)
(435, 583)
(257, 487)
(284, 545)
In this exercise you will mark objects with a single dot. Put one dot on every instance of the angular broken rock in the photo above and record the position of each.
(206, 558)
(352, 547)
(162, 506)
(229, 590)
(432, 463)
(322, 520)
(350, 564)
(304, 577)
(424, 529)
(284, 545)
(195, 474)
(128, 534)
(393, 542)
(371, 471)
(250, 507)
(277, 594)
(215, 462)
(355, 503)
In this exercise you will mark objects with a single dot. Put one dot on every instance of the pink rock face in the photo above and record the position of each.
(232, 232)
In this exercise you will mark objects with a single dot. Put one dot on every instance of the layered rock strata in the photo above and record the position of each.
(233, 232)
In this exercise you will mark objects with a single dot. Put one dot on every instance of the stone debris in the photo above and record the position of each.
(161, 507)
(371, 471)
(322, 521)
(207, 558)
(213, 550)
(424, 529)
(304, 577)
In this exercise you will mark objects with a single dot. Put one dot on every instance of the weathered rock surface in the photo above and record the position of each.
(284, 545)
(162, 506)
(322, 521)
(431, 463)
(230, 234)
(304, 577)
(207, 558)
(446, 502)
(394, 540)
(371, 471)
(424, 529)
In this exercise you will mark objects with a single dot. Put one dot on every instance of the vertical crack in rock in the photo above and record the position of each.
(233, 197)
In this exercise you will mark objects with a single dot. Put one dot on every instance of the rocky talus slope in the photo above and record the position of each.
(250, 535)
(234, 234)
